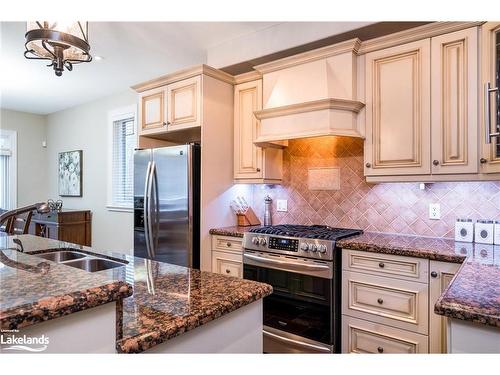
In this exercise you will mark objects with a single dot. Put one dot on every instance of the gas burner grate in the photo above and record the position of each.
(320, 232)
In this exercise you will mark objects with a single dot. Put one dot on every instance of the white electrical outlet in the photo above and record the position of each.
(434, 211)
(282, 205)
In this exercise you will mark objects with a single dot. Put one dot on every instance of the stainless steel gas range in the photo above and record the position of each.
(303, 265)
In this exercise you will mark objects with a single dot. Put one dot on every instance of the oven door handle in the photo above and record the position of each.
(295, 342)
(288, 264)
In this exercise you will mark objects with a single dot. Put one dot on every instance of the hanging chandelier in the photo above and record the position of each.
(62, 43)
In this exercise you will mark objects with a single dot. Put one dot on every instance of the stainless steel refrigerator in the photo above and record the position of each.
(167, 204)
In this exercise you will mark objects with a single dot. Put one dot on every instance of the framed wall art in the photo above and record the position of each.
(70, 173)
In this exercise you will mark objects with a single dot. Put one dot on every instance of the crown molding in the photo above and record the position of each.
(417, 33)
(247, 77)
(351, 45)
(183, 74)
(316, 105)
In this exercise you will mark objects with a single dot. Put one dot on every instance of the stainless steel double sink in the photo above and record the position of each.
(86, 262)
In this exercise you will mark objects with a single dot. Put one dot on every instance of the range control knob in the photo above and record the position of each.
(262, 241)
(255, 240)
(322, 249)
(312, 247)
(304, 247)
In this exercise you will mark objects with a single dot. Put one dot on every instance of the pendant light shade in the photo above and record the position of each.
(62, 43)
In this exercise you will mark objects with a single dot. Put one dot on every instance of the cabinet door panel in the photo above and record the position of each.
(248, 157)
(152, 111)
(398, 110)
(444, 272)
(454, 102)
(184, 103)
(227, 263)
(490, 73)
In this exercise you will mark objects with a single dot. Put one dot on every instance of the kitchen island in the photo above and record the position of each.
(172, 309)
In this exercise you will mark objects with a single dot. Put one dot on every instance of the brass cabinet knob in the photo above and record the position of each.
(434, 274)
(228, 271)
(381, 265)
(368, 165)
(380, 301)
(228, 244)
(380, 349)
(258, 169)
(483, 160)
(435, 162)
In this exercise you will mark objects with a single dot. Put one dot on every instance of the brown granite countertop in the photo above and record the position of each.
(235, 231)
(34, 290)
(474, 292)
(168, 300)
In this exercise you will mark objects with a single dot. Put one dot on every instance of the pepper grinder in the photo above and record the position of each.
(267, 210)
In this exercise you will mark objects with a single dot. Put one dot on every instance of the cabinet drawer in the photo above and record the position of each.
(394, 302)
(360, 336)
(226, 243)
(227, 263)
(401, 267)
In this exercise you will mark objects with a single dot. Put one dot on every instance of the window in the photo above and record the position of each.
(123, 141)
(8, 169)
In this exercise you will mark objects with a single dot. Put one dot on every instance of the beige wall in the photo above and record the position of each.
(85, 127)
(31, 156)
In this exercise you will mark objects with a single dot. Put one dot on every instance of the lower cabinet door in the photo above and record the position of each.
(227, 263)
(362, 336)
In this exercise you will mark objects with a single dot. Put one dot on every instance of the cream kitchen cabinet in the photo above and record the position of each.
(184, 103)
(252, 164)
(440, 277)
(152, 111)
(398, 110)
(227, 255)
(421, 112)
(490, 113)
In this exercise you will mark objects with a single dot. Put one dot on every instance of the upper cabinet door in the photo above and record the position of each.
(184, 103)
(247, 156)
(152, 111)
(454, 93)
(490, 113)
(398, 110)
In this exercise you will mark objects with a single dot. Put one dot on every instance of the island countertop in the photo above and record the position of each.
(474, 292)
(34, 290)
(168, 300)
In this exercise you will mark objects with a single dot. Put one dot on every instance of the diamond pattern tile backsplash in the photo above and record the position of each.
(387, 207)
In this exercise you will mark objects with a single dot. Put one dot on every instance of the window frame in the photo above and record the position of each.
(113, 116)
(12, 134)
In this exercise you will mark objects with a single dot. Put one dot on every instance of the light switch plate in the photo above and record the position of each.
(434, 211)
(282, 205)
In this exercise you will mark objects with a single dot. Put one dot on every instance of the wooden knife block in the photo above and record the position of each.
(248, 218)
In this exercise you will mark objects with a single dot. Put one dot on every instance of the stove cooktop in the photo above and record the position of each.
(321, 232)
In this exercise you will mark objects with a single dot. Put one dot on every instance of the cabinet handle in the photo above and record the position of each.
(381, 265)
(380, 349)
(258, 169)
(228, 271)
(228, 244)
(434, 274)
(483, 160)
(380, 301)
(487, 112)
(435, 162)
(368, 165)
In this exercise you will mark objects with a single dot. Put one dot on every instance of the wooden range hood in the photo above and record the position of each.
(311, 94)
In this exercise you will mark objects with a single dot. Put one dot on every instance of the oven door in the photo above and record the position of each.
(298, 315)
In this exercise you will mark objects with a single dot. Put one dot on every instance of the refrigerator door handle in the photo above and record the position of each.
(155, 231)
(146, 209)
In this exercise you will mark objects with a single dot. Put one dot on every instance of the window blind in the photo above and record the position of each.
(124, 143)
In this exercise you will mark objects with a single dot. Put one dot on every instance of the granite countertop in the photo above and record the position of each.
(168, 300)
(234, 231)
(474, 292)
(34, 290)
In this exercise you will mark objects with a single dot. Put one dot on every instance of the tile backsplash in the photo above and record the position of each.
(385, 207)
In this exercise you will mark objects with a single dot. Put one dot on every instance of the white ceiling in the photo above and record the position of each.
(132, 51)
(137, 51)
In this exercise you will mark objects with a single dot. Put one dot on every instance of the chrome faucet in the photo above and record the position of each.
(41, 208)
